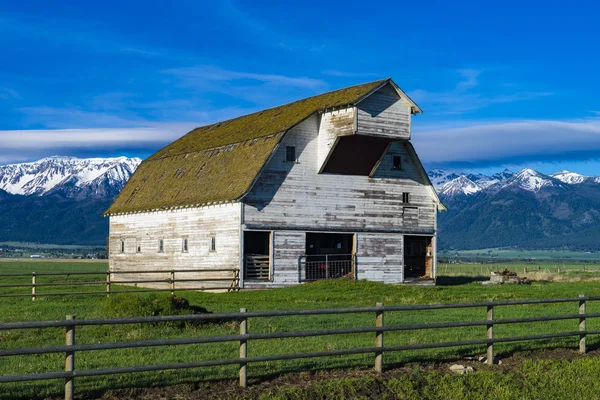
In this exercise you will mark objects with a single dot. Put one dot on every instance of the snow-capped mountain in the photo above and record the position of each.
(439, 177)
(573, 178)
(73, 177)
(452, 183)
(458, 186)
(530, 180)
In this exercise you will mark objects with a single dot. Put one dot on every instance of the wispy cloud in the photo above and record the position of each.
(86, 37)
(201, 74)
(348, 74)
(28, 145)
(496, 143)
(263, 34)
(465, 97)
(9, 94)
(470, 79)
(259, 89)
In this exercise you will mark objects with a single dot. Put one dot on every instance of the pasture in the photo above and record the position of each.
(319, 295)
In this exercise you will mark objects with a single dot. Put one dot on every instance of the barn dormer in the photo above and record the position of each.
(352, 139)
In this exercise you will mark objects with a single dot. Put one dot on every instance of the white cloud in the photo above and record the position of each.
(29, 145)
(199, 74)
(500, 142)
(81, 138)
(347, 74)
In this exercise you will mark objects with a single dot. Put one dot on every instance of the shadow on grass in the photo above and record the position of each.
(458, 280)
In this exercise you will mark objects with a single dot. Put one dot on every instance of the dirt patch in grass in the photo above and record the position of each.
(296, 385)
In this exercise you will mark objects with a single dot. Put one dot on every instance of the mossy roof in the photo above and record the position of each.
(220, 162)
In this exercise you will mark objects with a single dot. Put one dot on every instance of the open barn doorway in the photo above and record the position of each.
(418, 257)
(329, 255)
(257, 255)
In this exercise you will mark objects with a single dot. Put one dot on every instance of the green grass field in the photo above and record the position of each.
(342, 293)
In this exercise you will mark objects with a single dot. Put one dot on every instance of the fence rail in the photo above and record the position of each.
(482, 269)
(228, 283)
(71, 348)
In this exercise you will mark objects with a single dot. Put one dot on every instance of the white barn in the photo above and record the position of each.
(324, 187)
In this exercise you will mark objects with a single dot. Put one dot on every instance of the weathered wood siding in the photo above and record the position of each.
(198, 225)
(295, 196)
(379, 257)
(332, 125)
(384, 114)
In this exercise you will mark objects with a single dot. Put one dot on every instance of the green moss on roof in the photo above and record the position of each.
(219, 162)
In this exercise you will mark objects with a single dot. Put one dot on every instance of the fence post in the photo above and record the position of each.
(108, 284)
(326, 266)
(379, 339)
(243, 350)
(69, 359)
(490, 335)
(33, 280)
(582, 335)
(172, 282)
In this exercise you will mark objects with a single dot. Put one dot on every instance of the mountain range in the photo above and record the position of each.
(526, 209)
(60, 200)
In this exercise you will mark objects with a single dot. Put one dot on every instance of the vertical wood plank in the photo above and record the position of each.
(490, 335)
(379, 339)
(172, 283)
(243, 350)
(69, 359)
(33, 281)
(582, 335)
(108, 284)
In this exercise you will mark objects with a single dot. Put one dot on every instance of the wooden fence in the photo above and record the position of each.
(486, 269)
(244, 338)
(173, 277)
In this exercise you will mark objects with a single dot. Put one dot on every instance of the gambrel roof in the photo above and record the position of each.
(219, 163)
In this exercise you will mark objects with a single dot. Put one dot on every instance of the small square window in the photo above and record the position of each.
(161, 246)
(290, 153)
(184, 247)
(122, 246)
(405, 197)
(213, 243)
(397, 162)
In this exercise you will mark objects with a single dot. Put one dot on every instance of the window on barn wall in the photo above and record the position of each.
(184, 246)
(405, 197)
(290, 153)
(138, 246)
(122, 246)
(397, 163)
(213, 243)
(161, 246)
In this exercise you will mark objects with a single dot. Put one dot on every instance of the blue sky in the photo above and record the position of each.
(511, 84)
